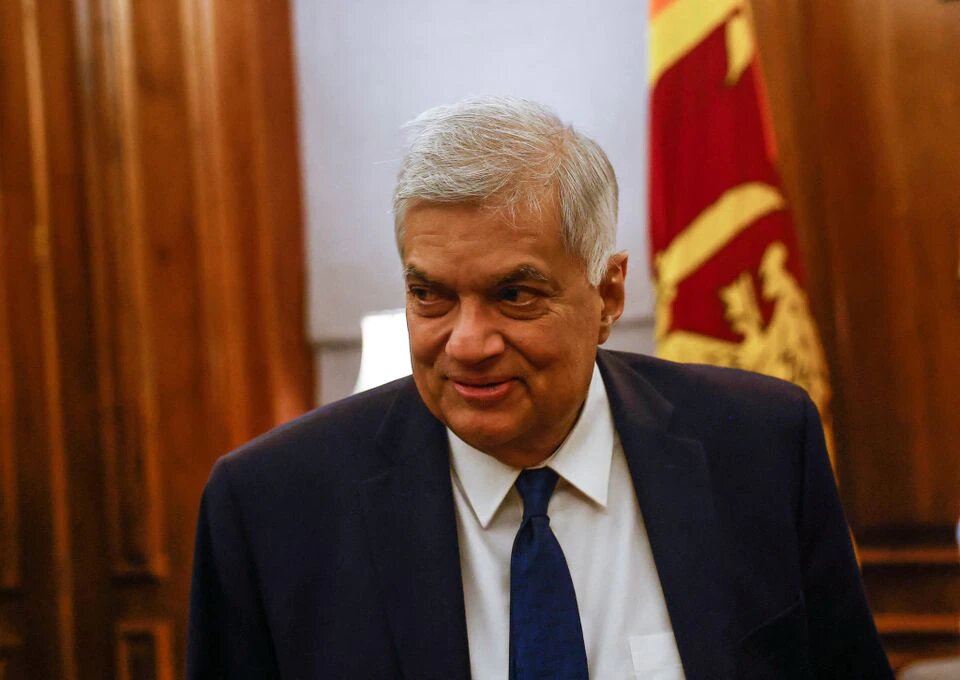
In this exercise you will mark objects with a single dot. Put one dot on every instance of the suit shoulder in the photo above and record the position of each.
(337, 433)
(700, 386)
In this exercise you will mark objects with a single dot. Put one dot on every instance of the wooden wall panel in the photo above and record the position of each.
(12, 120)
(42, 608)
(151, 308)
(248, 191)
(177, 123)
(50, 340)
(9, 519)
(279, 208)
(144, 651)
(10, 645)
(867, 111)
(125, 320)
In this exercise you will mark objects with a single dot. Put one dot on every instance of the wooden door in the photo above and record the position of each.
(151, 308)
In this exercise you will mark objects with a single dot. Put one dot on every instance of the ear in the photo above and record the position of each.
(612, 294)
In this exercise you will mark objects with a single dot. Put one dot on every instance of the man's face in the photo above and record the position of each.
(504, 325)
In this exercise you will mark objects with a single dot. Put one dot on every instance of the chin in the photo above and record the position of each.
(485, 436)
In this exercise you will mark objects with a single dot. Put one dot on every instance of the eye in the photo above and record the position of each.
(428, 301)
(422, 294)
(516, 295)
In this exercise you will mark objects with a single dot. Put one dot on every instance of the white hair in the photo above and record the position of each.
(505, 152)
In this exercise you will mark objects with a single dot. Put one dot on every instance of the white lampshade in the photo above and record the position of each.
(385, 352)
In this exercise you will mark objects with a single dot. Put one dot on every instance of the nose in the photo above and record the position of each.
(475, 336)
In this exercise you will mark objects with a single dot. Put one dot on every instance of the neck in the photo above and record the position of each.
(521, 459)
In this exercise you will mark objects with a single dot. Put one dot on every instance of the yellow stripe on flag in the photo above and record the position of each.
(714, 228)
(680, 26)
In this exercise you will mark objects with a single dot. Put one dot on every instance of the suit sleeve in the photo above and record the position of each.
(843, 639)
(228, 635)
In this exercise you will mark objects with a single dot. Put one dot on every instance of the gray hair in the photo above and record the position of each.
(506, 152)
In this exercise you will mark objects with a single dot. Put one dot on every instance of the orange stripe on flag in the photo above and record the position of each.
(679, 26)
(656, 6)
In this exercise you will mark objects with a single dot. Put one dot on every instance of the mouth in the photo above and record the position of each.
(483, 390)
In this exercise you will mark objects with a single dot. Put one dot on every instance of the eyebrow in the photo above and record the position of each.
(413, 272)
(524, 272)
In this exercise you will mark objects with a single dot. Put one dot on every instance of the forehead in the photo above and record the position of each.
(477, 238)
(436, 223)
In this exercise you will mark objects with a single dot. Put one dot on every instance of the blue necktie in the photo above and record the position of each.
(546, 641)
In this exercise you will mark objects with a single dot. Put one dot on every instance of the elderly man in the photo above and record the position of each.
(526, 506)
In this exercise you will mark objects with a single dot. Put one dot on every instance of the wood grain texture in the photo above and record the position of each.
(50, 343)
(69, 256)
(37, 625)
(279, 202)
(168, 91)
(144, 651)
(865, 109)
(10, 553)
(125, 321)
(931, 624)
(129, 362)
(892, 555)
(10, 646)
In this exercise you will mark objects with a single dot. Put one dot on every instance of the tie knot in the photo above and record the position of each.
(535, 487)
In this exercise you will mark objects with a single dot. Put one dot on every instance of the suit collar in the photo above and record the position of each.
(583, 460)
(411, 527)
(672, 482)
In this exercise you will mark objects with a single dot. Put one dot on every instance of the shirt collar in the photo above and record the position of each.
(583, 459)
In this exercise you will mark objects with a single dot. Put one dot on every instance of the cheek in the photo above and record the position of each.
(560, 357)
(561, 339)
(426, 341)
(533, 340)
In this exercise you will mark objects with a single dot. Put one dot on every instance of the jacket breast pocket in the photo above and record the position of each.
(778, 648)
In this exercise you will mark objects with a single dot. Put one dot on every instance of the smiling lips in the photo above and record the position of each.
(483, 390)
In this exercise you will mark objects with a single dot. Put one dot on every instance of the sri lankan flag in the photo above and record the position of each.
(725, 260)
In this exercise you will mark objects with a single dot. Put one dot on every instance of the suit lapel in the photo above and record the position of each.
(411, 527)
(672, 483)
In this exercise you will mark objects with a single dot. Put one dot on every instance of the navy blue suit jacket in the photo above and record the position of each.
(327, 548)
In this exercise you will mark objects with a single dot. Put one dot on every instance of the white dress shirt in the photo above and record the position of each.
(596, 518)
